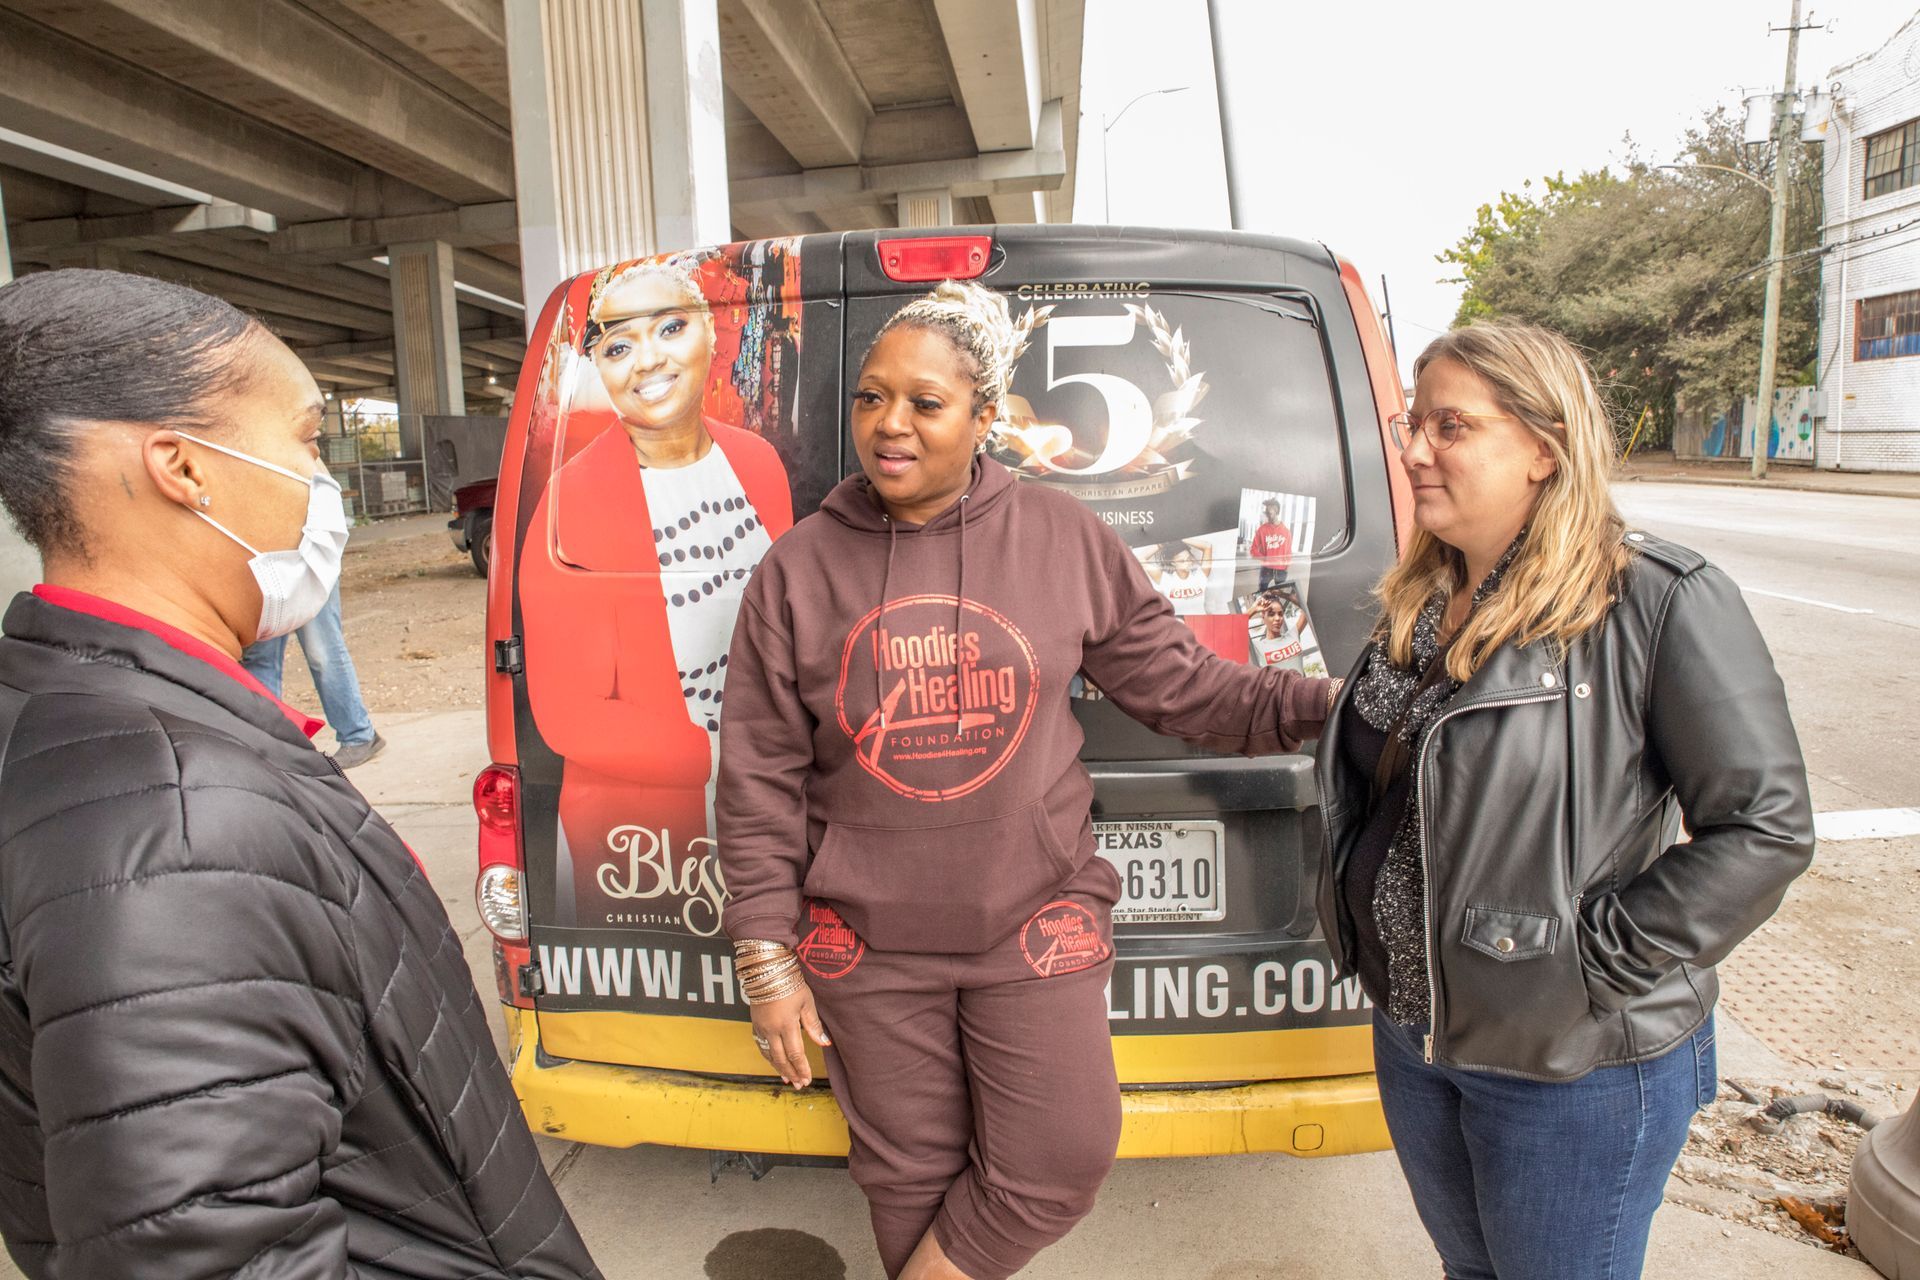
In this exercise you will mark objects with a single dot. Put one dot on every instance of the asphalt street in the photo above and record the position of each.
(1832, 583)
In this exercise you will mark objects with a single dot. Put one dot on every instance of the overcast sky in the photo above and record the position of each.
(1381, 127)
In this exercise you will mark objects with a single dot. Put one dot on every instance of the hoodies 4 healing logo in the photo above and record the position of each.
(936, 694)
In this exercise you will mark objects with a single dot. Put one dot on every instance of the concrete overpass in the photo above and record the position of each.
(389, 184)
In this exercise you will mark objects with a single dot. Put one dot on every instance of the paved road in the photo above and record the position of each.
(650, 1212)
(1835, 584)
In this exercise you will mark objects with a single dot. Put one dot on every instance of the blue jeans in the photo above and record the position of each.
(1525, 1180)
(323, 642)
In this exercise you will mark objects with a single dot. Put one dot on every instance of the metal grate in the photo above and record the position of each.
(1811, 1010)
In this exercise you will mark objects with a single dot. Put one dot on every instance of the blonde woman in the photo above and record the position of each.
(904, 819)
(1548, 695)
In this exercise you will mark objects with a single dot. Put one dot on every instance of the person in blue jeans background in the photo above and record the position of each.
(1546, 698)
(323, 642)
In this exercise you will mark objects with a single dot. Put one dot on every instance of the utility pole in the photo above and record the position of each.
(1386, 301)
(1783, 131)
(1236, 204)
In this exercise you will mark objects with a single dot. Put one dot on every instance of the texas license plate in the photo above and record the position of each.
(1170, 872)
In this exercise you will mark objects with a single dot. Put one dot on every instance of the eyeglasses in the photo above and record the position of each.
(1442, 427)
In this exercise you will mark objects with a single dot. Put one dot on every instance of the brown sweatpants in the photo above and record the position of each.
(979, 1089)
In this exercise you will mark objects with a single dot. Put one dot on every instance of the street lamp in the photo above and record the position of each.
(1106, 127)
(1721, 168)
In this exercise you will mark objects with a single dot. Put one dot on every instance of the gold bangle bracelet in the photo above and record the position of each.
(795, 985)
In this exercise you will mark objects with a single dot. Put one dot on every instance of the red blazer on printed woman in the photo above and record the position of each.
(601, 676)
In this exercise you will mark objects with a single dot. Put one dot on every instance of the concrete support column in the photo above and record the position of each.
(618, 133)
(19, 562)
(926, 208)
(426, 328)
(6, 252)
(686, 123)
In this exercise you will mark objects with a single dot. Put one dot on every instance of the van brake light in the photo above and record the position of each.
(935, 258)
(500, 888)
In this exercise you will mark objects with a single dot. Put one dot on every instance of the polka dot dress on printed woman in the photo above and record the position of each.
(709, 540)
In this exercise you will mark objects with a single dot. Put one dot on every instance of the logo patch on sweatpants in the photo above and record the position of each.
(1062, 937)
(829, 947)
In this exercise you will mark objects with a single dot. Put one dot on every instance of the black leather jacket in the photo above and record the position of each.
(237, 1034)
(1566, 930)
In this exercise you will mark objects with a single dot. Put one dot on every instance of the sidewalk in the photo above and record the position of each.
(1665, 467)
(1228, 1218)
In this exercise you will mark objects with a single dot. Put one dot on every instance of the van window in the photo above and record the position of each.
(1201, 427)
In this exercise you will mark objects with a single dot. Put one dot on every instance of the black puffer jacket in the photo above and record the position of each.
(237, 1036)
(1566, 928)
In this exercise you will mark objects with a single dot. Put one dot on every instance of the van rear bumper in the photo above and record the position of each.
(621, 1106)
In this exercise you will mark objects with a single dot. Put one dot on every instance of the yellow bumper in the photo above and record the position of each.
(620, 1106)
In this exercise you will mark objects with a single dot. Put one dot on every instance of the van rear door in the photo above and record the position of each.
(1208, 396)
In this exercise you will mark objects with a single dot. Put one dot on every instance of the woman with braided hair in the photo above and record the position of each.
(630, 592)
(904, 822)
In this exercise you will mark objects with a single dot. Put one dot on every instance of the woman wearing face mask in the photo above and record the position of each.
(236, 1031)
(904, 819)
(644, 542)
(1547, 697)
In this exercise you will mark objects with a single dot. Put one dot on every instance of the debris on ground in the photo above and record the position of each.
(1784, 1175)
(415, 615)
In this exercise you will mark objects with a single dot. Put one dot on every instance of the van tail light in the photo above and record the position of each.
(935, 258)
(500, 890)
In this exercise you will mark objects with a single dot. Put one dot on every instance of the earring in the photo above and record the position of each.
(205, 501)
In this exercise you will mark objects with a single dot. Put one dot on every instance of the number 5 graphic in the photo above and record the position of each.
(1129, 415)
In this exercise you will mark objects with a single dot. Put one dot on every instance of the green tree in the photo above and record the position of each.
(1658, 272)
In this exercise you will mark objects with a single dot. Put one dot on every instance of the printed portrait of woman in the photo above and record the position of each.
(1180, 570)
(653, 528)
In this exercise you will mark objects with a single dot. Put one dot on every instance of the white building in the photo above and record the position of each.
(1869, 369)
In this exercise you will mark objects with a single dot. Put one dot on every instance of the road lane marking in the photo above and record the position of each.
(1867, 824)
(1818, 604)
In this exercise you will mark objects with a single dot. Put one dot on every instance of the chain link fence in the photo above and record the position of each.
(379, 460)
(391, 464)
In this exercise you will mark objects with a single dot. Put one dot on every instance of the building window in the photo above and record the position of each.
(1893, 159)
(1887, 326)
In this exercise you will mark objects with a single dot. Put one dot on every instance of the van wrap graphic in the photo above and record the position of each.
(623, 878)
(937, 694)
(1288, 986)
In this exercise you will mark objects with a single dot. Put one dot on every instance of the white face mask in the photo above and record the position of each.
(294, 585)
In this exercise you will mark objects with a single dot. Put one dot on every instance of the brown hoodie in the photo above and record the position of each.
(898, 741)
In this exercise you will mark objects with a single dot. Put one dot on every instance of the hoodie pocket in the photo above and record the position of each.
(1509, 935)
(953, 889)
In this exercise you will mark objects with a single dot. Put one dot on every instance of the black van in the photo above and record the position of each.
(1219, 399)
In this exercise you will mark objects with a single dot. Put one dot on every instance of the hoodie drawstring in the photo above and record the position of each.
(959, 618)
(959, 624)
(880, 620)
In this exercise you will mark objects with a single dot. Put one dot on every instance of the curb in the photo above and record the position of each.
(1797, 486)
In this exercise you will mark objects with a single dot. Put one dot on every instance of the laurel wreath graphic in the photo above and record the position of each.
(1033, 447)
